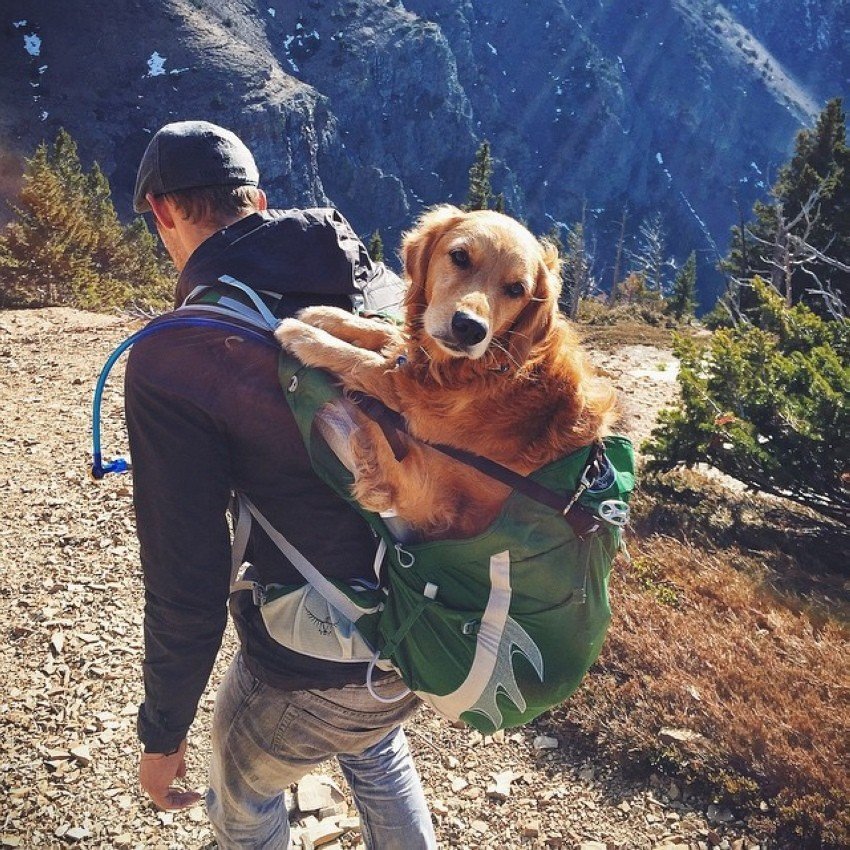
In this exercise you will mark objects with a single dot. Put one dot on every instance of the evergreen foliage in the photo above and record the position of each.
(767, 404)
(66, 245)
(376, 247)
(578, 282)
(480, 190)
(793, 238)
(683, 294)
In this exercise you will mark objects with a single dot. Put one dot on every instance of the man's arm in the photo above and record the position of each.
(181, 490)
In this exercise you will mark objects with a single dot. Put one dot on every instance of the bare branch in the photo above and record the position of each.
(816, 254)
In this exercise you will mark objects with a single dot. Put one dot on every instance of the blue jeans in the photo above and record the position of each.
(264, 739)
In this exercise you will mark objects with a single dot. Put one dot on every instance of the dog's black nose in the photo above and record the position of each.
(467, 329)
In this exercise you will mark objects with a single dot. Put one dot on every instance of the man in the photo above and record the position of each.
(206, 416)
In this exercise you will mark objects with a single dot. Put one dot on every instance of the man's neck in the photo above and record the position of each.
(206, 258)
(189, 235)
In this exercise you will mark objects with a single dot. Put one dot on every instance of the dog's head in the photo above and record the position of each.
(481, 287)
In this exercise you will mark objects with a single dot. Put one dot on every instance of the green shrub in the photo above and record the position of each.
(767, 405)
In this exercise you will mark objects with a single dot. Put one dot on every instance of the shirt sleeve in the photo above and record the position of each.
(180, 495)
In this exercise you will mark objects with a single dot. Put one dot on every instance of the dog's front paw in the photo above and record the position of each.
(291, 334)
(287, 330)
(326, 318)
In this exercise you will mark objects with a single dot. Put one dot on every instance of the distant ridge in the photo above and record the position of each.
(659, 105)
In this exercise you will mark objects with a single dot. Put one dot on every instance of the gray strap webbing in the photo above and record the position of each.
(328, 590)
(237, 550)
(244, 314)
(271, 320)
(260, 316)
(263, 317)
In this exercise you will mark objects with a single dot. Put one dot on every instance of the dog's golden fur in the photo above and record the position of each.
(484, 362)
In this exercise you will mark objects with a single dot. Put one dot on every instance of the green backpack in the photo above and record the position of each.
(492, 630)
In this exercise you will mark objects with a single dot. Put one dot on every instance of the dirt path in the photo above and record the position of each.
(70, 658)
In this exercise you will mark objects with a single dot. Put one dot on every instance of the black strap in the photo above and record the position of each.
(581, 521)
(388, 420)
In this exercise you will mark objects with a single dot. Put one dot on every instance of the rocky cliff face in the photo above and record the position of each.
(810, 37)
(378, 107)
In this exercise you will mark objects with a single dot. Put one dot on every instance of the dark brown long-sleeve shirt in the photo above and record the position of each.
(206, 415)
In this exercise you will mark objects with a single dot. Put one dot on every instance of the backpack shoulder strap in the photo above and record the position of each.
(256, 320)
(209, 298)
(248, 511)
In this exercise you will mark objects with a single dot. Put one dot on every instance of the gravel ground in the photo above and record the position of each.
(70, 660)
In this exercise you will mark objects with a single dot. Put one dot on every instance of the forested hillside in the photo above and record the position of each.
(635, 109)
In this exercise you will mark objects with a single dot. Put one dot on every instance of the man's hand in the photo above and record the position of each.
(157, 772)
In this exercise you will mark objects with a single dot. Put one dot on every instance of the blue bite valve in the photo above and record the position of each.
(100, 469)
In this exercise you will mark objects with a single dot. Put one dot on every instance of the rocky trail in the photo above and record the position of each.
(72, 646)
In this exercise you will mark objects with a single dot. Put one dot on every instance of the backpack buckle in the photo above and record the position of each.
(614, 512)
(258, 592)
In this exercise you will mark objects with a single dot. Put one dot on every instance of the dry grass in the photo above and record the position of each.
(624, 332)
(732, 621)
(610, 327)
(702, 641)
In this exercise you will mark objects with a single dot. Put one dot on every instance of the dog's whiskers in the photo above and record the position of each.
(507, 353)
(426, 352)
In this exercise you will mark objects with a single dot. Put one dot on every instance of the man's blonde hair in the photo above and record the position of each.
(216, 205)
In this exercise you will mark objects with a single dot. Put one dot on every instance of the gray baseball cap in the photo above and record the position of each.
(191, 154)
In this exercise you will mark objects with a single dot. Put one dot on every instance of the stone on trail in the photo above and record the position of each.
(320, 834)
(82, 754)
(679, 736)
(501, 787)
(316, 792)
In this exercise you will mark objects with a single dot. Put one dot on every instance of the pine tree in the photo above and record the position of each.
(578, 268)
(809, 215)
(480, 190)
(682, 299)
(66, 245)
(766, 402)
(376, 247)
(40, 260)
(618, 257)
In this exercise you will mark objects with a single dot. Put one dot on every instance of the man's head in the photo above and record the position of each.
(196, 178)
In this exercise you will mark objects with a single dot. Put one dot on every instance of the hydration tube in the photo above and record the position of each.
(98, 468)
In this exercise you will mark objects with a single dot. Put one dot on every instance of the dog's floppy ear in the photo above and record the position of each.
(416, 249)
(535, 322)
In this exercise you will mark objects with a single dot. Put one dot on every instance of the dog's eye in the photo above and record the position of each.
(460, 258)
(515, 290)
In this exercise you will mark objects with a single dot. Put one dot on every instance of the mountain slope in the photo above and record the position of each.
(378, 107)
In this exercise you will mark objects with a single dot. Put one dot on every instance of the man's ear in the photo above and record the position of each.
(262, 201)
(162, 210)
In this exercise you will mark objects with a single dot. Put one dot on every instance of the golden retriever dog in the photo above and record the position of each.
(484, 362)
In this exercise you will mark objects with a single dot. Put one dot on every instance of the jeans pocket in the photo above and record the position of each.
(318, 724)
(244, 681)
(287, 727)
